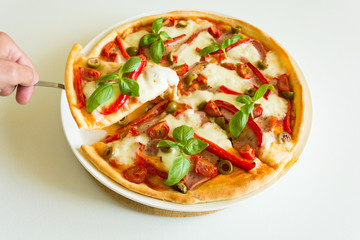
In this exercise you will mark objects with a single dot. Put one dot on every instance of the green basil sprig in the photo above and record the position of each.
(105, 91)
(239, 120)
(216, 46)
(156, 40)
(188, 145)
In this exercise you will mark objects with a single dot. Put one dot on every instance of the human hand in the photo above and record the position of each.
(16, 70)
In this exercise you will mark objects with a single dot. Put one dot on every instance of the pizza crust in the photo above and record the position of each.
(222, 187)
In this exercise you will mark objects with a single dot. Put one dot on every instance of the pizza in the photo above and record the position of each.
(197, 107)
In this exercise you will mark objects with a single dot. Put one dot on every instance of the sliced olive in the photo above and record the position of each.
(284, 137)
(109, 153)
(132, 51)
(181, 187)
(288, 95)
(225, 167)
(182, 24)
(167, 149)
(123, 121)
(189, 78)
(235, 29)
(263, 64)
(171, 107)
(170, 57)
(93, 62)
(221, 122)
(202, 105)
(251, 92)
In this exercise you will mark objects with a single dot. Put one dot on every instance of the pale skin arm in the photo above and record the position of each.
(16, 71)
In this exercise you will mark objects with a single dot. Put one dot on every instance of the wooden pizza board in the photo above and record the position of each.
(147, 209)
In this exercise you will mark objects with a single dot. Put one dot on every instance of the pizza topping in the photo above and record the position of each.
(79, 89)
(247, 152)
(132, 51)
(221, 122)
(225, 167)
(284, 137)
(227, 90)
(109, 48)
(175, 39)
(109, 153)
(181, 69)
(171, 107)
(159, 130)
(135, 174)
(263, 64)
(215, 47)
(181, 187)
(88, 74)
(287, 95)
(204, 168)
(123, 121)
(244, 71)
(93, 62)
(212, 110)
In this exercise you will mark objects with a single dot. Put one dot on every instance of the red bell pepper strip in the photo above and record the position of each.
(215, 32)
(241, 41)
(260, 77)
(227, 90)
(193, 37)
(250, 123)
(169, 22)
(78, 89)
(222, 153)
(287, 126)
(167, 42)
(121, 100)
(121, 47)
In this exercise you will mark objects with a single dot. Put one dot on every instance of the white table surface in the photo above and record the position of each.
(46, 193)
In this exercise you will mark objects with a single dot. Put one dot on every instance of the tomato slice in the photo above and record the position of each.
(159, 130)
(181, 69)
(248, 152)
(135, 174)
(204, 167)
(245, 71)
(201, 79)
(283, 83)
(212, 109)
(88, 74)
(215, 32)
(257, 111)
(109, 48)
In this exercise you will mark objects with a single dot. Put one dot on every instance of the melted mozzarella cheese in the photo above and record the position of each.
(187, 117)
(274, 106)
(133, 39)
(109, 68)
(168, 158)
(189, 55)
(154, 81)
(190, 28)
(218, 76)
(195, 98)
(272, 152)
(246, 50)
(276, 67)
(212, 132)
(124, 151)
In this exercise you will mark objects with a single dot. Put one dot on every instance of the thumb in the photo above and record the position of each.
(13, 74)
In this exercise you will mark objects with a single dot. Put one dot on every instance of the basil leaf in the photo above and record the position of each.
(237, 123)
(183, 133)
(130, 65)
(109, 77)
(227, 42)
(194, 146)
(99, 96)
(156, 51)
(262, 90)
(148, 39)
(179, 168)
(129, 87)
(247, 108)
(167, 143)
(165, 35)
(245, 99)
(157, 24)
(208, 49)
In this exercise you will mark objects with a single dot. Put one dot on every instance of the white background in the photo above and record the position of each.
(46, 194)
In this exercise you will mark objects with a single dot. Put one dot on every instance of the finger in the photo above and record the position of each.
(12, 74)
(10, 51)
(7, 91)
(23, 94)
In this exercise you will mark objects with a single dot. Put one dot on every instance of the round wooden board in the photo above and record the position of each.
(147, 209)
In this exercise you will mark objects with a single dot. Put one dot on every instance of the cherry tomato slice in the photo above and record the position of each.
(212, 109)
(201, 79)
(248, 152)
(109, 48)
(245, 71)
(205, 168)
(181, 69)
(257, 111)
(135, 174)
(215, 32)
(88, 74)
(283, 83)
(159, 130)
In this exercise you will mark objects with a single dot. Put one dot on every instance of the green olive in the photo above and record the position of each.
(171, 107)
(109, 153)
(225, 167)
(235, 29)
(181, 187)
(93, 62)
(287, 95)
(251, 92)
(221, 122)
(132, 51)
(263, 64)
(170, 57)
(123, 121)
(284, 137)
(189, 78)
(202, 105)
(167, 149)
(182, 24)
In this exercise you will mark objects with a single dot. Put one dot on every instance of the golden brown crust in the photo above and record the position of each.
(221, 187)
